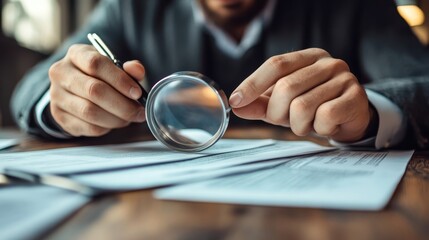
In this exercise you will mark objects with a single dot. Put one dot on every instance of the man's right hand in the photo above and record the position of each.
(90, 95)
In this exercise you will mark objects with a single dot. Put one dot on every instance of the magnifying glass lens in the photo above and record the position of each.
(186, 113)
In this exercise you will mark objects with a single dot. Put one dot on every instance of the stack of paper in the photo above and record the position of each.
(204, 167)
(118, 168)
(28, 211)
(339, 180)
(260, 172)
(335, 179)
(150, 164)
(96, 158)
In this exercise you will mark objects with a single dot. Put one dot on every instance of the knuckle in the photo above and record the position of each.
(94, 61)
(299, 105)
(300, 130)
(278, 62)
(348, 79)
(68, 82)
(319, 52)
(54, 71)
(95, 131)
(54, 94)
(357, 91)
(327, 112)
(276, 119)
(302, 116)
(56, 114)
(337, 65)
(354, 95)
(88, 111)
(325, 130)
(285, 86)
(74, 51)
(95, 89)
(299, 55)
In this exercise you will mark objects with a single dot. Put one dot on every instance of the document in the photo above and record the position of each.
(95, 158)
(352, 180)
(195, 169)
(7, 143)
(28, 211)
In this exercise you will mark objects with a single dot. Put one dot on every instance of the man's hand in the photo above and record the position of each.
(307, 91)
(91, 96)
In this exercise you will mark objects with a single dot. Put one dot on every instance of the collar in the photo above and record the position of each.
(251, 35)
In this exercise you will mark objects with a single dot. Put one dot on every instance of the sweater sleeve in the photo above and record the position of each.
(106, 21)
(397, 67)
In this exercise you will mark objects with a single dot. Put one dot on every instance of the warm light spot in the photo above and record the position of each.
(34, 24)
(412, 14)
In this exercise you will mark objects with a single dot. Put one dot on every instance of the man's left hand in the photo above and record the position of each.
(307, 91)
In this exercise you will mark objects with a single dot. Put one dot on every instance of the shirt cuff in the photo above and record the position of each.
(39, 111)
(391, 127)
(392, 124)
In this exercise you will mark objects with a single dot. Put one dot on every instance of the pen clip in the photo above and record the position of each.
(102, 48)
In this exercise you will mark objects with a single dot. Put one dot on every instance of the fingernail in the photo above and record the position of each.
(141, 116)
(235, 99)
(135, 93)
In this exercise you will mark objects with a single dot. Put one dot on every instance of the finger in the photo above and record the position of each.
(303, 108)
(103, 95)
(135, 69)
(87, 111)
(270, 71)
(89, 61)
(75, 126)
(344, 114)
(268, 92)
(253, 111)
(289, 87)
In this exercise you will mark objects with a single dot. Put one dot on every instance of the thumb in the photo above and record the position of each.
(251, 89)
(135, 69)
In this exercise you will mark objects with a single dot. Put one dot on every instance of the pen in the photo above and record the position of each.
(102, 48)
(18, 175)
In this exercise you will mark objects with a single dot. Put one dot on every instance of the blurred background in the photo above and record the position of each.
(30, 31)
(33, 29)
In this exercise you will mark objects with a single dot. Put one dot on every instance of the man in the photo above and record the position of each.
(348, 70)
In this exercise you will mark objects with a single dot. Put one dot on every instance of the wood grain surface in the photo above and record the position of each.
(137, 215)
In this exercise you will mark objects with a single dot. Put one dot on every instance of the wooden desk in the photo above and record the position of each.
(137, 215)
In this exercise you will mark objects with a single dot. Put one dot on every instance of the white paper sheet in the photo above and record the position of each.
(195, 169)
(339, 180)
(27, 211)
(83, 159)
(6, 143)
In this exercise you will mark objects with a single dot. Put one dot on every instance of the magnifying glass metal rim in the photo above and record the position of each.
(146, 100)
(163, 135)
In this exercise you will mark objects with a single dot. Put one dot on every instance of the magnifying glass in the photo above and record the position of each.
(186, 111)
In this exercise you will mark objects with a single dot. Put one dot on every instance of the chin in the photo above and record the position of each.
(228, 10)
(225, 6)
(228, 3)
